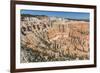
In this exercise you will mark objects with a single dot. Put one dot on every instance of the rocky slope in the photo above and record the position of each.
(46, 39)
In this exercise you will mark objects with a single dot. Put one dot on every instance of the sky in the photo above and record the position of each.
(71, 15)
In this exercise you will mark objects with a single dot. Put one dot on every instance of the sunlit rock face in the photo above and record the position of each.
(46, 38)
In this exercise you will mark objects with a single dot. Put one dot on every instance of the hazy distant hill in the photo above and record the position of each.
(87, 20)
(29, 15)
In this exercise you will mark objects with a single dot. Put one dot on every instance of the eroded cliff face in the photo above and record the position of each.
(46, 39)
